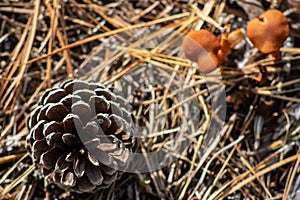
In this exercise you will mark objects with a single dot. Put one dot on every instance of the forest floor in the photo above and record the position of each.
(240, 122)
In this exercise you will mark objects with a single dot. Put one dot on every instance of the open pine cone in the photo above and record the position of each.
(81, 136)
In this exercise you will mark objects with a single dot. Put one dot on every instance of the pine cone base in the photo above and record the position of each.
(80, 136)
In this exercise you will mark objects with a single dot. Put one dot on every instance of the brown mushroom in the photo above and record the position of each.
(202, 47)
(268, 31)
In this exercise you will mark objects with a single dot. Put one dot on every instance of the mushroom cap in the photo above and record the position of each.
(208, 63)
(198, 43)
(268, 31)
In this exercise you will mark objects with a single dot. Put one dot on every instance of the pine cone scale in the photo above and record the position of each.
(62, 165)
(69, 123)
(69, 180)
(94, 174)
(49, 158)
(37, 132)
(79, 167)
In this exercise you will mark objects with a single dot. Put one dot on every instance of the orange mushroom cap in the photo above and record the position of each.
(202, 46)
(268, 31)
(208, 63)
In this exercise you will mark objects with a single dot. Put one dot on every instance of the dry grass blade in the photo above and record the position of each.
(17, 181)
(10, 158)
(204, 15)
(109, 33)
(210, 161)
(199, 143)
(16, 10)
(207, 193)
(291, 179)
(258, 178)
(262, 172)
(12, 68)
(52, 33)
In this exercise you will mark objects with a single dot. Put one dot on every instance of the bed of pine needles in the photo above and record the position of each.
(250, 151)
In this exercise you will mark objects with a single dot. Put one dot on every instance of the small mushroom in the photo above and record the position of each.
(202, 47)
(268, 31)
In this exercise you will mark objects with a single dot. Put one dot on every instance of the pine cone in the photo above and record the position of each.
(81, 136)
